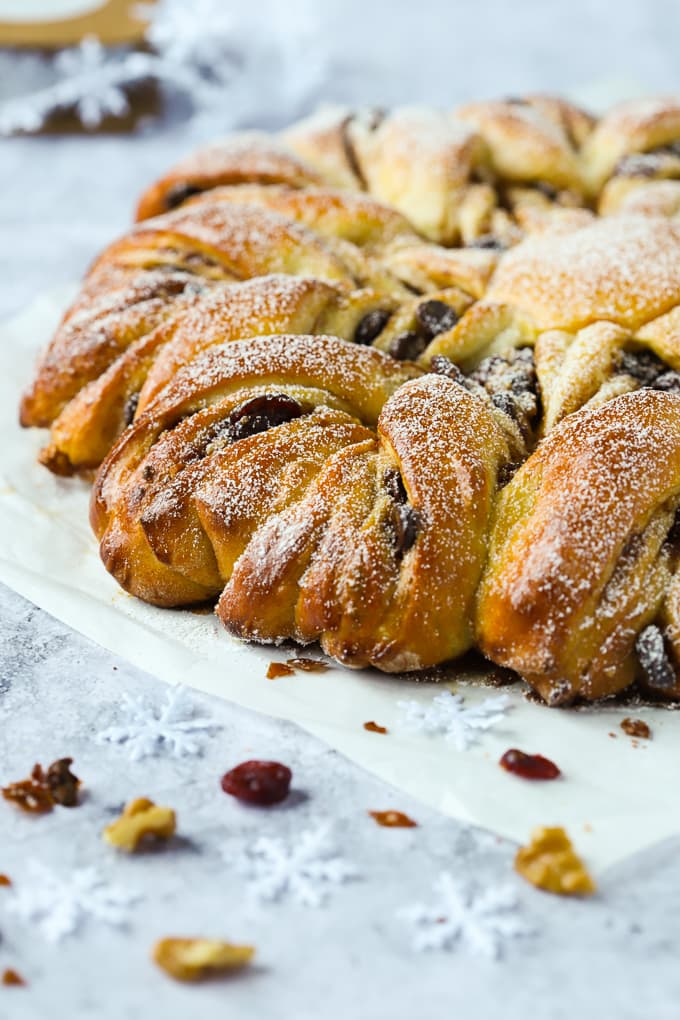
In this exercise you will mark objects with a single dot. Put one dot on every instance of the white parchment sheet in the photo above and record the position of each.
(614, 797)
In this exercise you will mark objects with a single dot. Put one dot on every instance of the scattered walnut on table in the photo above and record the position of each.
(44, 788)
(636, 728)
(195, 959)
(140, 821)
(550, 862)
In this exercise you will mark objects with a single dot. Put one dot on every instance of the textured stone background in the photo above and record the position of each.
(60, 200)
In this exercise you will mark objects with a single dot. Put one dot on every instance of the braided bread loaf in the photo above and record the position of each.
(399, 383)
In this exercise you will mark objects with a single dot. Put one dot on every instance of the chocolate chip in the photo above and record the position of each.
(667, 381)
(435, 317)
(406, 522)
(394, 486)
(442, 365)
(261, 413)
(638, 165)
(405, 519)
(487, 241)
(130, 408)
(179, 193)
(642, 365)
(651, 652)
(371, 326)
(546, 189)
(507, 472)
(407, 346)
(506, 403)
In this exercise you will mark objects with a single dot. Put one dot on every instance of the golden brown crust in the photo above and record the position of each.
(250, 158)
(329, 490)
(579, 561)
(180, 512)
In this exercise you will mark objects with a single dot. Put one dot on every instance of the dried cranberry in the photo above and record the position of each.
(258, 782)
(529, 766)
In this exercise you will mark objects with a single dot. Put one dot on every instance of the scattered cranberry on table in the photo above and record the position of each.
(258, 782)
(529, 766)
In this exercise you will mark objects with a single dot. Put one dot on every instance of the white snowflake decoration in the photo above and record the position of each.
(199, 35)
(89, 80)
(447, 714)
(304, 870)
(59, 904)
(149, 730)
(481, 920)
(223, 61)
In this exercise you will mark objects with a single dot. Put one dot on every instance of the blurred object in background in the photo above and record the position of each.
(183, 59)
(52, 24)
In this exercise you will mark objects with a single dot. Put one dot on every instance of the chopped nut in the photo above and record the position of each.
(141, 819)
(5, 880)
(393, 819)
(550, 863)
(636, 728)
(43, 789)
(373, 727)
(277, 669)
(194, 959)
(12, 978)
(61, 782)
(29, 795)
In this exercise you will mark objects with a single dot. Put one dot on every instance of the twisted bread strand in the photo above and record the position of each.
(489, 277)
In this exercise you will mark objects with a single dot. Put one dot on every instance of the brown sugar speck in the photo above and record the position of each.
(277, 669)
(373, 727)
(11, 978)
(636, 728)
(393, 819)
(5, 880)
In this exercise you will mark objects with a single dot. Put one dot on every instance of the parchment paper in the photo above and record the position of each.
(615, 797)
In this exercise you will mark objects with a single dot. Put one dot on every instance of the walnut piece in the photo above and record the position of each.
(549, 862)
(141, 820)
(194, 959)
(636, 728)
(43, 789)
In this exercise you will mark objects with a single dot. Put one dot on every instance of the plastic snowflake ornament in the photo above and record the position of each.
(447, 714)
(59, 904)
(304, 870)
(148, 730)
(482, 920)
